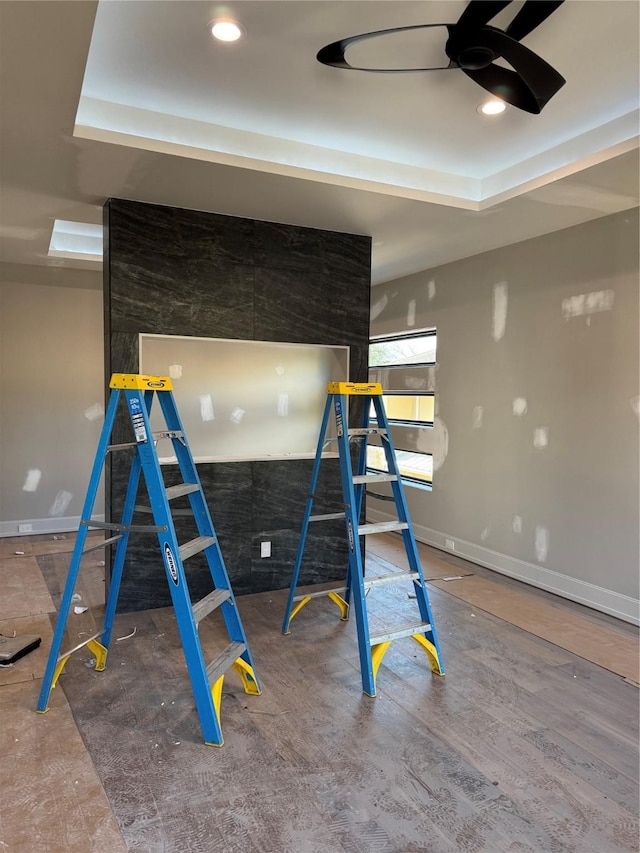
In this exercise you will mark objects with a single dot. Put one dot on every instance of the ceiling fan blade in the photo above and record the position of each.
(505, 85)
(532, 14)
(539, 78)
(479, 12)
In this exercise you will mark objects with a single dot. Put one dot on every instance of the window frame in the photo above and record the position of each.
(401, 423)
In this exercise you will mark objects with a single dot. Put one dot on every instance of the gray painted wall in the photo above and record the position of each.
(51, 393)
(563, 516)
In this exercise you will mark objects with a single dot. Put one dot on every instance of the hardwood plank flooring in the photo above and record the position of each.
(522, 746)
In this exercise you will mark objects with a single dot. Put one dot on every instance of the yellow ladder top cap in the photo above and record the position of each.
(141, 383)
(364, 388)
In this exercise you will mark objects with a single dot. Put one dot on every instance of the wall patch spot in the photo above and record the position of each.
(439, 442)
(415, 382)
(499, 317)
(206, 407)
(431, 289)
(175, 371)
(94, 412)
(283, 405)
(519, 406)
(476, 417)
(378, 307)
(60, 503)
(587, 303)
(237, 415)
(411, 313)
(540, 438)
(280, 370)
(517, 524)
(485, 533)
(542, 544)
(635, 405)
(32, 480)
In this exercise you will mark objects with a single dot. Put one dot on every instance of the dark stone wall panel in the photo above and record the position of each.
(185, 272)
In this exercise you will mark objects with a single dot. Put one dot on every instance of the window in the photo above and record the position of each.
(414, 348)
(400, 361)
(415, 467)
(407, 409)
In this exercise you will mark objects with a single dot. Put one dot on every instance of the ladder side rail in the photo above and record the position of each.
(76, 557)
(307, 514)
(121, 550)
(359, 489)
(355, 572)
(174, 570)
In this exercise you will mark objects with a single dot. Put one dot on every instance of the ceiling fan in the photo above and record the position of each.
(473, 46)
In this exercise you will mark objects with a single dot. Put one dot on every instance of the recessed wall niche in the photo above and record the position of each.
(175, 272)
(245, 400)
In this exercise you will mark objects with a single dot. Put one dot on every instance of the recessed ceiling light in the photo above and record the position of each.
(492, 108)
(226, 29)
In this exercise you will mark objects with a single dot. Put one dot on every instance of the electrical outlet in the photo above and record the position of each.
(25, 528)
(450, 544)
(265, 549)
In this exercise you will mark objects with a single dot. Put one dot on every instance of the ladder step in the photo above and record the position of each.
(330, 516)
(225, 659)
(375, 478)
(368, 431)
(341, 590)
(394, 577)
(209, 603)
(400, 631)
(194, 546)
(382, 527)
(102, 544)
(181, 489)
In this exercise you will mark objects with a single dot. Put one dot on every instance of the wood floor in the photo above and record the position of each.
(523, 745)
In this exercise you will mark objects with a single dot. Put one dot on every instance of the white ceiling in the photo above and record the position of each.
(145, 105)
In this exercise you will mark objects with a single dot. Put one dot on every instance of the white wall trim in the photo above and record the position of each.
(605, 600)
(68, 524)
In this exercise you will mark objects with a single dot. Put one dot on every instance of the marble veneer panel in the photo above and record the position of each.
(184, 272)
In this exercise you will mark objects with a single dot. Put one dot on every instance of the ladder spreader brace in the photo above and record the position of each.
(371, 647)
(206, 680)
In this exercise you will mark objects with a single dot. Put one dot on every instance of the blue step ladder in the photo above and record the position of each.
(206, 679)
(372, 647)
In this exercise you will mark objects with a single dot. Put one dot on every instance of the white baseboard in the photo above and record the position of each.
(605, 600)
(68, 524)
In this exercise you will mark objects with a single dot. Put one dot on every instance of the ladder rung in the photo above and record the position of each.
(103, 543)
(125, 528)
(181, 489)
(401, 631)
(394, 577)
(80, 645)
(224, 660)
(194, 546)
(368, 431)
(209, 603)
(341, 590)
(382, 527)
(375, 478)
(330, 516)
(112, 448)
(173, 433)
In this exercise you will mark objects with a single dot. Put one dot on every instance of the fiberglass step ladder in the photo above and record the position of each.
(206, 680)
(371, 647)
